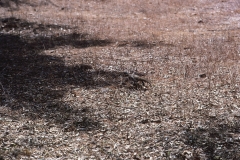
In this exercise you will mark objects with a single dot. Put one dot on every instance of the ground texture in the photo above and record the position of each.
(101, 79)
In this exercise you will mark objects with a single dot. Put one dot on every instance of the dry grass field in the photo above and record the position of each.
(122, 79)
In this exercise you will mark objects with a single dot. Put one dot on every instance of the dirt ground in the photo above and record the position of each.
(123, 79)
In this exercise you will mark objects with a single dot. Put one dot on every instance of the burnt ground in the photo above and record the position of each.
(119, 79)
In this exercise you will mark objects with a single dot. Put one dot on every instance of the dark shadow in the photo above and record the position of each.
(15, 4)
(220, 142)
(9, 4)
(143, 44)
(12, 23)
(35, 84)
(75, 39)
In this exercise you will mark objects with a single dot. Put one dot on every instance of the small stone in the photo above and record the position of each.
(203, 75)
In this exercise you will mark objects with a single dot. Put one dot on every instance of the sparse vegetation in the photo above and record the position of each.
(101, 79)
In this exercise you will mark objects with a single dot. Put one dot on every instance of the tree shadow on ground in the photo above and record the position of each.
(15, 4)
(34, 83)
(217, 142)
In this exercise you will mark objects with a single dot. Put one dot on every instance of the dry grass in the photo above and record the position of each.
(101, 79)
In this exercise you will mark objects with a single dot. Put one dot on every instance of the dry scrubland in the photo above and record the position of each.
(69, 90)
